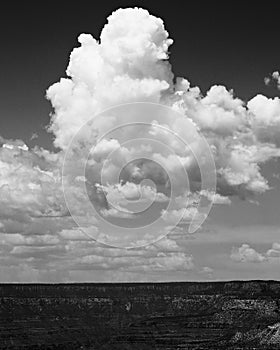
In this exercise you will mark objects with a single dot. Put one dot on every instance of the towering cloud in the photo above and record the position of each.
(130, 64)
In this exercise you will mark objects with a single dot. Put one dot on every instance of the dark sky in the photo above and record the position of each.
(222, 42)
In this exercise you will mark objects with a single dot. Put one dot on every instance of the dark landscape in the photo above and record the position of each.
(214, 315)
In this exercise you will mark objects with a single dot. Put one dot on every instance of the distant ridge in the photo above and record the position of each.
(141, 316)
(141, 283)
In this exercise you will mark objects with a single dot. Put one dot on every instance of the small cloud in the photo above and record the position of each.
(274, 77)
(246, 254)
(34, 136)
(267, 81)
(215, 198)
(274, 252)
(208, 271)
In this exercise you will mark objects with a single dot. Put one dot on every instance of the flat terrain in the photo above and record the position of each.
(216, 315)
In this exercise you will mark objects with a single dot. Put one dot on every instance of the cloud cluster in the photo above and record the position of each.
(40, 241)
(274, 77)
(246, 254)
(29, 183)
(130, 64)
(274, 252)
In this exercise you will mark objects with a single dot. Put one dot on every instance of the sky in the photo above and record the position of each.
(228, 100)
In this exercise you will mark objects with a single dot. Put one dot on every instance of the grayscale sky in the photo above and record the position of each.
(227, 51)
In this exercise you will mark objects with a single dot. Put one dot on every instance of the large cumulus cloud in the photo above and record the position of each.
(130, 64)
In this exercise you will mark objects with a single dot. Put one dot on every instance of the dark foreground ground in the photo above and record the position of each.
(218, 315)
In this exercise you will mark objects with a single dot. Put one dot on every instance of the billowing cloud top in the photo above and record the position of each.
(127, 65)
